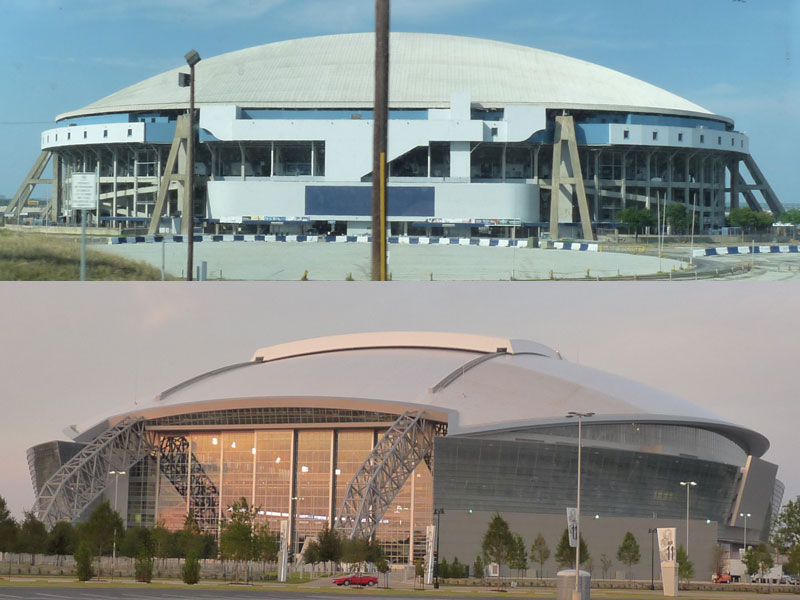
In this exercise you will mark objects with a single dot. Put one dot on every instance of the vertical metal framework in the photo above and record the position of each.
(190, 480)
(407, 443)
(79, 481)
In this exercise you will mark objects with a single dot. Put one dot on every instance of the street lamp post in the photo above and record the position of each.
(744, 541)
(689, 485)
(580, 416)
(438, 512)
(116, 475)
(192, 58)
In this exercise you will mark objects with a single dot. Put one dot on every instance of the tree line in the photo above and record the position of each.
(504, 547)
(637, 219)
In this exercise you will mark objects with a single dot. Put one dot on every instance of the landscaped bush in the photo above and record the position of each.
(191, 569)
(144, 567)
(83, 562)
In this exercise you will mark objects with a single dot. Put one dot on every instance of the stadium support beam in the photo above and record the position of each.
(766, 189)
(32, 180)
(78, 482)
(741, 185)
(407, 443)
(179, 146)
(565, 135)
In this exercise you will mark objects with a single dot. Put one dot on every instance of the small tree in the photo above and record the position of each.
(190, 572)
(478, 567)
(161, 540)
(565, 554)
(99, 530)
(61, 540)
(540, 552)
(32, 537)
(518, 559)
(792, 566)
(751, 562)
(236, 542)
(676, 217)
(83, 561)
(628, 552)
(355, 551)
(685, 566)
(717, 558)
(786, 526)
(383, 567)
(266, 545)
(419, 568)
(605, 565)
(330, 545)
(311, 554)
(498, 542)
(143, 568)
(636, 219)
(456, 569)
(444, 569)
(764, 558)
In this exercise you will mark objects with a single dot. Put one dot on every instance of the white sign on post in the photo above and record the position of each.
(572, 526)
(668, 554)
(84, 191)
(283, 557)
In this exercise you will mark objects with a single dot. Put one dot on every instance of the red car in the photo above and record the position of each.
(356, 579)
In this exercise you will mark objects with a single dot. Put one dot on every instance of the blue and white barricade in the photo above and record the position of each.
(726, 250)
(336, 239)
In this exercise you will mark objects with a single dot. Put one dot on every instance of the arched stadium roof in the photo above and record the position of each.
(336, 71)
(474, 383)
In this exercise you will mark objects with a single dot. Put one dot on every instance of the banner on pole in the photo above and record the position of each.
(430, 536)
(572, 526)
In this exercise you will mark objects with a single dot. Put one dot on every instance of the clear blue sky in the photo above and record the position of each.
(736, 58)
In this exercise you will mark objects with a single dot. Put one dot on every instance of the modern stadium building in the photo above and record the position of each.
(475, 129)
(377, 433)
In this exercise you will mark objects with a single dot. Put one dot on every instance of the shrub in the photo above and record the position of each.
(83, 562)
(191, 569)
(144, 566)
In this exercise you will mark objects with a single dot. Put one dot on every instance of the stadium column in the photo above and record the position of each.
(597, 184)
(58, 180)
(733, 167)
(565, 134)
(379, 140)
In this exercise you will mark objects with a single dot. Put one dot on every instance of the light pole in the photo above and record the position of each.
(580, 416)
(192, 58)
(652, 531)
(658, 218)
(689, 485)
(438, 512)
(744, 543)
(116, 475)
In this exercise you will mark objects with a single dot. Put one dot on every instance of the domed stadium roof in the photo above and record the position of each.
(337, 71)
(474, 383)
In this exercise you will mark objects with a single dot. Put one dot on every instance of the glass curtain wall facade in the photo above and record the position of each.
(538, 476)
(296, 474)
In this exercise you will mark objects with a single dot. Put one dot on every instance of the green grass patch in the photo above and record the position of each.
(37, 257)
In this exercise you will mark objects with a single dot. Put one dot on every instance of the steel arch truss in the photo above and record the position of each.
(407, 443)
(78, 482)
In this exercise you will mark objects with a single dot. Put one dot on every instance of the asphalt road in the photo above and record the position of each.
(73, 593)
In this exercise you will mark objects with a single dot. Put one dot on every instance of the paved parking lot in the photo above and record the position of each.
(333, 262)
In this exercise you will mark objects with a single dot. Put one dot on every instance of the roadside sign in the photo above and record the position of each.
(84, 191)
(572, 526)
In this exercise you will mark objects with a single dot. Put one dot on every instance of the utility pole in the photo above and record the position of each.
(379, 140)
